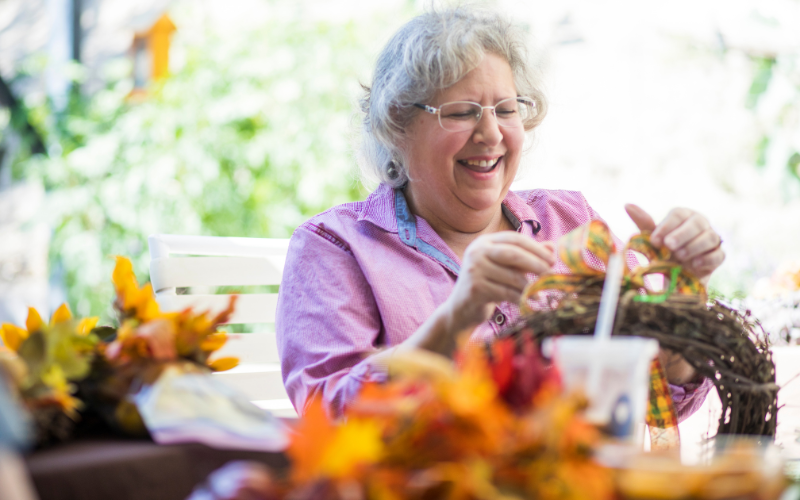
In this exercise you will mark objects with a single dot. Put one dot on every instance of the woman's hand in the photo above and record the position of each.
(677, 370)
(689, 237)
(493, 271)
(696, 246)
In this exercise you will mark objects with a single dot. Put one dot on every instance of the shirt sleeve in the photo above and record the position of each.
(327, 322)
(690, 397)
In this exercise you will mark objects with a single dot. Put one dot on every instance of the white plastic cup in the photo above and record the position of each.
(620, 403)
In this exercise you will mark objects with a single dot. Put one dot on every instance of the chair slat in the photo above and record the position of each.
(175, 272)
(256, 347)
(250, 308)
(215, 245)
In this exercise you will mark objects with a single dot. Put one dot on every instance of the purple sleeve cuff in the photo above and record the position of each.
(690, 397)
(347, 388)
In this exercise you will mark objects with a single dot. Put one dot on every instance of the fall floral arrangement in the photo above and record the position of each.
(471, 431)
(445, 431)
(68, 366)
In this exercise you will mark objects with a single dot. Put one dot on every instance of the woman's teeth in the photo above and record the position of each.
(480, 165)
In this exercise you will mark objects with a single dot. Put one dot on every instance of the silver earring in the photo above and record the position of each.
(391, 171)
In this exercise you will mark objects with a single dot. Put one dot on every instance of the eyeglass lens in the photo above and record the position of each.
(510, 113)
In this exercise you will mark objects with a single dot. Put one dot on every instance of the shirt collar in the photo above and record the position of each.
(380, 208)
(518, 211)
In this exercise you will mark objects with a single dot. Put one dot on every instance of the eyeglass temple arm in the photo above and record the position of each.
(429, 109)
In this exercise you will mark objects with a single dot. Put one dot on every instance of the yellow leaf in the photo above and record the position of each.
(12, 335)
(357, 442)
(53, 377)
(34, 322)
(223, 364)
(123, 276)
(214, 341)
(86, 325)
(420, 364)
(61, 315)
(148, 307)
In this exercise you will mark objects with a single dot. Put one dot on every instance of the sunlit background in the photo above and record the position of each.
(121, 119)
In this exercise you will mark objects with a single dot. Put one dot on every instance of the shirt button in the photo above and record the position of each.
(499, 319)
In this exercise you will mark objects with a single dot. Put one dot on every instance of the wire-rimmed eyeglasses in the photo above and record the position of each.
(459, 116)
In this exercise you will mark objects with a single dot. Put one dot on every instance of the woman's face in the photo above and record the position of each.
(457, 175)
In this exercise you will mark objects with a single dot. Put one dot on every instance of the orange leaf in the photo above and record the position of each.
(214, 341)
(309, 443)
(225, 315)
(34, 322)
(223, 364)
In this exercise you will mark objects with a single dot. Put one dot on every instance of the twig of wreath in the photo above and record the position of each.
(721, 343)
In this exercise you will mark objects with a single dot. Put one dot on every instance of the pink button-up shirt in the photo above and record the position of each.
(363, 276)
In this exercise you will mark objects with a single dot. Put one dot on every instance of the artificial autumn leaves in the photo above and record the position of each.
(463, 432)
(147, 333)
(46, 360)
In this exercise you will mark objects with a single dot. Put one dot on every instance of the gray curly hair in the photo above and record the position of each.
(431, 52)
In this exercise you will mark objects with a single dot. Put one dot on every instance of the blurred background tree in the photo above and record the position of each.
(250, 135)
(679, 104)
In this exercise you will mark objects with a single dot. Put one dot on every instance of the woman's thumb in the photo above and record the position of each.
(641, 218)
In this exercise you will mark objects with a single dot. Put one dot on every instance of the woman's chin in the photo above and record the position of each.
(483, 197)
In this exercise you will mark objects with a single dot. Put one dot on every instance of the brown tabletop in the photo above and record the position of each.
(113, 468)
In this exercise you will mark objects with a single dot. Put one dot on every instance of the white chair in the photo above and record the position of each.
(198, 264)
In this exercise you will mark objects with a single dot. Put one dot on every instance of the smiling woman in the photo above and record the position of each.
(442, 246)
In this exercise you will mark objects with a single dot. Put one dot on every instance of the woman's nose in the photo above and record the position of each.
(487, 130)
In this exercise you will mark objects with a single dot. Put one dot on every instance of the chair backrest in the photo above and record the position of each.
(200, 263)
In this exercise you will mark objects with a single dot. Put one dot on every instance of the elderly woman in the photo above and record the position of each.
(442, 246)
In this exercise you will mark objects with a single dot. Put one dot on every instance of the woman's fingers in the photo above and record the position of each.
(641, 218)
(523, 260)
(677, 369)
(678, 227)
(494, 270)
(688, 235)
(703, 243)
(682, 233)
(511, 278)
(544, 251)
(707, 263)
(501, 292)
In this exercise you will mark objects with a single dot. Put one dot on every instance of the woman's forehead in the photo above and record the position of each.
(491, 80)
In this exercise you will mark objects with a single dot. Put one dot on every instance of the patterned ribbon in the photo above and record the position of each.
(662, 420)
(594, 238)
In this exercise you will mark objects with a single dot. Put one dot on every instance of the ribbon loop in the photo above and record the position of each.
(594, 238)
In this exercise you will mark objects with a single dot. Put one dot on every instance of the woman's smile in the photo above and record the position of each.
(481, 165)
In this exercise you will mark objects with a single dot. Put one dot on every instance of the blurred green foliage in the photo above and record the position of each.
(773, 98)
(762, 74)
(250, 136)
